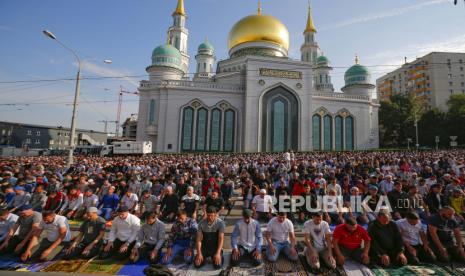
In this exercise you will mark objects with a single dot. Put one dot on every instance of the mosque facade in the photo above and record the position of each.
(256, 100)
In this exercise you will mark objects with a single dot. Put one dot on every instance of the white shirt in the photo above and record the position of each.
(76, 203)
(410, 233)
(52, 230)
(336, 187)
(6, 225)
(263, 204)
(280, 231)
(125, 230)
(317, 233)
(90, 201)
(129, 201)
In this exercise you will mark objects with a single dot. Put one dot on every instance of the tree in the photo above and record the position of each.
(397, 117)
(456, 117)
(433, 123)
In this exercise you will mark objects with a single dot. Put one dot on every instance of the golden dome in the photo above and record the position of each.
(259, 28)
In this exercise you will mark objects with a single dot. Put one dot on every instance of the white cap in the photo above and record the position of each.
(263, 191)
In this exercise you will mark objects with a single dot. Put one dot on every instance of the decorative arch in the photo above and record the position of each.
(279, 119)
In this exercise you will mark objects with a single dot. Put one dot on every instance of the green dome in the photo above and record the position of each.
(357, 74)
(206, 46)
(167, 55)
(322, 60)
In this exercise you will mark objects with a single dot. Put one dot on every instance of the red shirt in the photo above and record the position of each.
(350, 240)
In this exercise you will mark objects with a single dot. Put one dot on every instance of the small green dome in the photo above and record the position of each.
(167, 55)
(322, 60)
(357, 74)
(206, 46)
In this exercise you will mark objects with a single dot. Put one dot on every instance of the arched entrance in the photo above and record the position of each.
(279, 121)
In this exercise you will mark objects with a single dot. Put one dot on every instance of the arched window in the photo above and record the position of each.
(187, 128)
(177, 43)
(278, 141)
(152, 112)
(327, 132)
(316, 132)
(321, 79)
(215, 130)
(201, 130)
(198, 67)
(338, 132)
(229, 131)
(349, 133)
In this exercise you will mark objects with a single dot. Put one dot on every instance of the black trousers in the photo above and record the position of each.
(114, 251)
(146, 249)
(12, 243)
(422, 255)
(210, 253)
(453, 253)
(392, 258)
(245, 255)
(77, 252)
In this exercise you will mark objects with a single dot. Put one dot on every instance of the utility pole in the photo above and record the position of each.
(106, 124)
(120, 103)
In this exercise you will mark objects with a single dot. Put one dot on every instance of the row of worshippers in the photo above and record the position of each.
(386, 242)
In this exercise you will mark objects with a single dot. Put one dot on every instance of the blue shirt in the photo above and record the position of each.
(248, 235)
(110, 201)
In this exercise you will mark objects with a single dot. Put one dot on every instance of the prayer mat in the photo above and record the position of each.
(107, 266)
(455, 268)
(10, 263)
(284, 267)
(179, 269)
(66, 266)
(420, 270)
(35, 267)
(353, 268)
(207, 269)
(75, 224)
(243, 270)
(134, 269)
(323, 271)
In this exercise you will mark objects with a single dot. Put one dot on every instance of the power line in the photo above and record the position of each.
(247, 70)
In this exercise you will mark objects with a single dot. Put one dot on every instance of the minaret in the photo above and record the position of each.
(310, 49)
(178, 34)
(205, 60)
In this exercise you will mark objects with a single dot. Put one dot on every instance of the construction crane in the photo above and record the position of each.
(106, 124)
(120, 103)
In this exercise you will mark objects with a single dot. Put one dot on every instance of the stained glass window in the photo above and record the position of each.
(201, 129)
(215, 130)
(350, 133)
(316, 127)
(327, 132)
(338, 132)
(278, 126)
(229, 122)
(187, 126)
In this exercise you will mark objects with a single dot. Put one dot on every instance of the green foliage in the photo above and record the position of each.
(397, 117)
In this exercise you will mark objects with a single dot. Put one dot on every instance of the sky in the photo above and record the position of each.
(381, 32)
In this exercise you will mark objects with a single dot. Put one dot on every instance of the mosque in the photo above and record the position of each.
(256, 100)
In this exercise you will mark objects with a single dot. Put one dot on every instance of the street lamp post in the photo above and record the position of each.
(76, 96)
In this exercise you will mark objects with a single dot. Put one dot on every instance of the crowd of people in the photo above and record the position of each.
(135, 197)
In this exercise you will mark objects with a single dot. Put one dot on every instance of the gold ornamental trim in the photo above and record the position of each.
(275, 73)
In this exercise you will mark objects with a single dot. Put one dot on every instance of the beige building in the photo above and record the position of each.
(433, 78)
